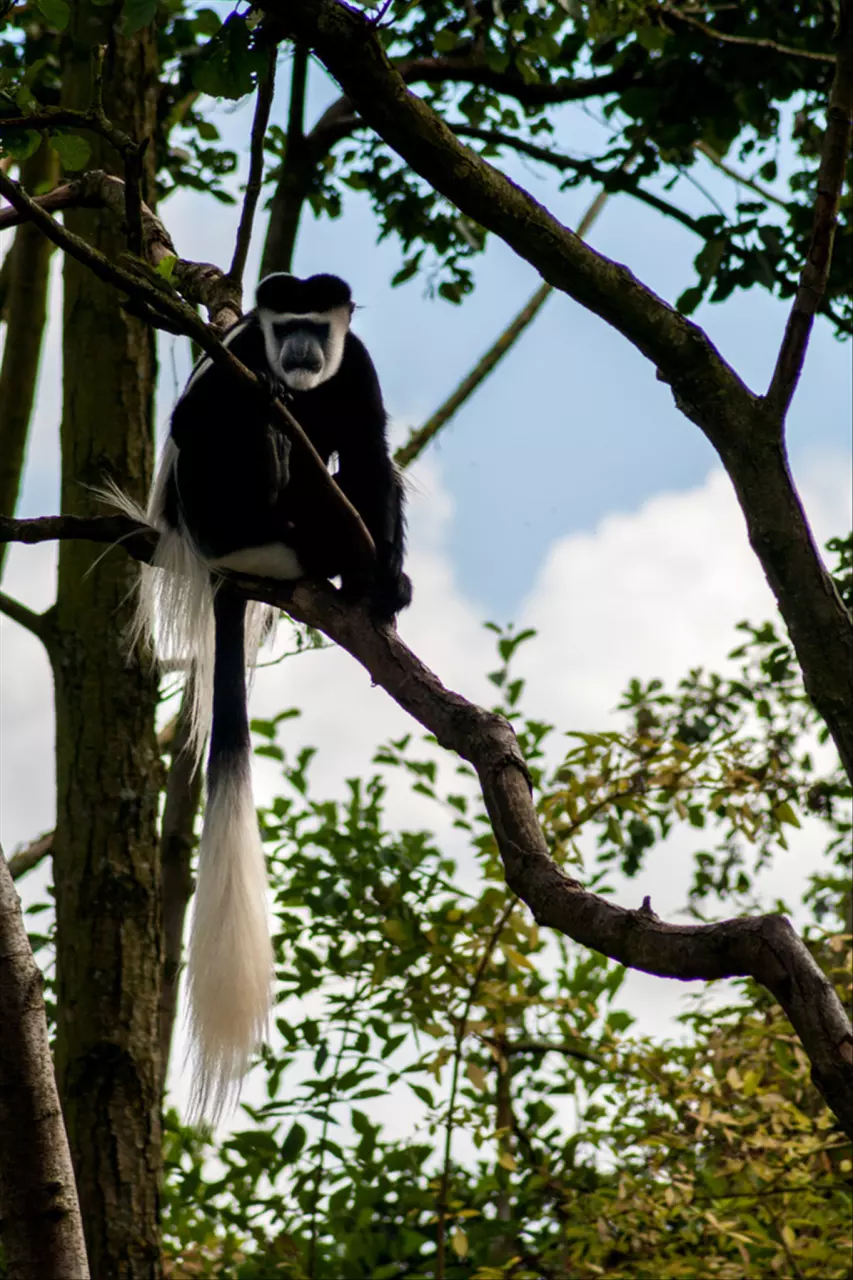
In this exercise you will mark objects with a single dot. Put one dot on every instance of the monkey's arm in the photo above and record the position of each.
(373, 485)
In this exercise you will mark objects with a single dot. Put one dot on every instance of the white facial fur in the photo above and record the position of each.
(330, 353)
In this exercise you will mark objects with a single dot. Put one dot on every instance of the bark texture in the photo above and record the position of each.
(106, 864)
(24, 310)
(40, 1223)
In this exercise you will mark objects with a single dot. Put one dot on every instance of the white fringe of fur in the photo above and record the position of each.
(174, 606)
(230, 965)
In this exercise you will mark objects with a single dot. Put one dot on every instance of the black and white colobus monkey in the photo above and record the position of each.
(229, 495)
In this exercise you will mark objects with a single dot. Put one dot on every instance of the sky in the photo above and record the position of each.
(569, 495)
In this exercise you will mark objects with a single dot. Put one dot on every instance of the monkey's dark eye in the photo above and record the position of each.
(310, 327)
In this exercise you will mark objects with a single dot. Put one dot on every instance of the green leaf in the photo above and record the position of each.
(459, 1242)
(690, 299)
(72, 150)
(785, 812)
(137, 14)
(228, 62)
(55, 13)
(20, 144)
(166, 266)
(293, 1144)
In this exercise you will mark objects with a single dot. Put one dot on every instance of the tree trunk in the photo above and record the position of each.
(25, 305)
(39, 1215)
(106, 865)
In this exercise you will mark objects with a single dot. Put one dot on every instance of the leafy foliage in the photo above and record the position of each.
(444, 1072)
(668, 85)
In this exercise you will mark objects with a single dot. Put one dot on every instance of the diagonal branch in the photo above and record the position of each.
(835, 151)
(763, 947)
(266, 89)
(421, 436)
(758, 42)
(23, 860)
(616, 180)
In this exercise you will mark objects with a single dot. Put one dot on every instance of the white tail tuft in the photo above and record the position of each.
(174, 605)
(230, 966)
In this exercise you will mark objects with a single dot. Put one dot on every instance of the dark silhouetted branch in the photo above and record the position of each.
(835, 152)
(756, 42)
(420, 438)
(254, 183)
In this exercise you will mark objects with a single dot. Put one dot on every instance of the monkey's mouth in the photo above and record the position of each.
(308, 363)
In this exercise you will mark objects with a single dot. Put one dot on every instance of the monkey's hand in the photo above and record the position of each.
(387, 593)
(278, 453)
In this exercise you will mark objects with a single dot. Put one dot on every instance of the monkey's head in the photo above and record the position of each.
(305, 324)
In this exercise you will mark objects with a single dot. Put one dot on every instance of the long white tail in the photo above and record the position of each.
(211, 633)
(230, 954)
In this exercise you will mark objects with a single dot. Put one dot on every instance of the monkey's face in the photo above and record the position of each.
(305, 324)
(305, 350)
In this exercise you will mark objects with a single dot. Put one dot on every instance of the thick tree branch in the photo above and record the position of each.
(160, 305)
(745, 433)
(835, 151)
(763, 947)
(254, 183)
(40, 1222)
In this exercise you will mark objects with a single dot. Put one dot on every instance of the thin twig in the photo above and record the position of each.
(719, 163)
(759, 42)
(30, 856)
(263, 104)
(461, 1028)
(616, 180)
(354, 1000)
(58, 117)
(835, 150)
(421, 436)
